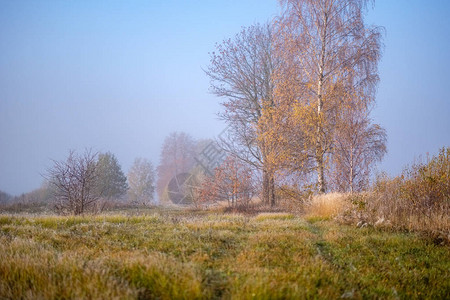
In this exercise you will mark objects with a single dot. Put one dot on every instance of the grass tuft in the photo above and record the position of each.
(326, 206)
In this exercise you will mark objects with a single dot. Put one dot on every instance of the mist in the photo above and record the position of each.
(120, 77)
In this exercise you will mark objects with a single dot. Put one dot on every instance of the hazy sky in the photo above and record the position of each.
(121, 75)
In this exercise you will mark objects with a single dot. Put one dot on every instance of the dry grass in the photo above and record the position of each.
(274, 215)
(326, 206)
(388, 209)
(418, 200)
(201, 255)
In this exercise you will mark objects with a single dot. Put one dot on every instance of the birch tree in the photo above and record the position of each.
(358, 145)
(330, 55)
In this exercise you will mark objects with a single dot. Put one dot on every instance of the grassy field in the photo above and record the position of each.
(203, 255)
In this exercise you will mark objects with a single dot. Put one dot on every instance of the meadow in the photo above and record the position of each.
(185, 254)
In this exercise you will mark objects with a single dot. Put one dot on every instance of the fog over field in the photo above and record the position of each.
(120, 76)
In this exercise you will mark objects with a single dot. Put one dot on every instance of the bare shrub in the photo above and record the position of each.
(232, 182)
(73, 183)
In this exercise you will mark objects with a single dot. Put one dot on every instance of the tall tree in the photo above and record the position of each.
(141, 179)
(241, 72)
(112, 182)
(330, 55)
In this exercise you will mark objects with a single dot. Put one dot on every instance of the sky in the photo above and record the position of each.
(119, 76)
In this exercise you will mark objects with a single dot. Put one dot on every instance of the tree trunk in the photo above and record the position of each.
(351, 171)
(319, 147)
(268, 188)
(272, 190)
(320, 174)
(265, 187)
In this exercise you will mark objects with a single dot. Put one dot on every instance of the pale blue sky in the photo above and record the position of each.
(120, 75)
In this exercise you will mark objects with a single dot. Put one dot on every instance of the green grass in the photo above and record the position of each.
(186, 255)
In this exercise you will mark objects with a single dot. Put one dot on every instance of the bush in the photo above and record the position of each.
(417, 200)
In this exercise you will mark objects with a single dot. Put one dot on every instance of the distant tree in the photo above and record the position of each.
(112, 183)
(232, 182)
(5, 197)
(141, 179)
(38, 200)
(73, 183)
(177, 156)
(41, 195)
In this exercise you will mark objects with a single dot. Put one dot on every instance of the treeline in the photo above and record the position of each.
(34, 201)
(91, 182)
(87, 182)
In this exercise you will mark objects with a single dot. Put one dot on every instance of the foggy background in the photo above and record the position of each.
(120, 76)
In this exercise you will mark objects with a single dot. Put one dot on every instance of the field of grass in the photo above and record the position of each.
(204, 255)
